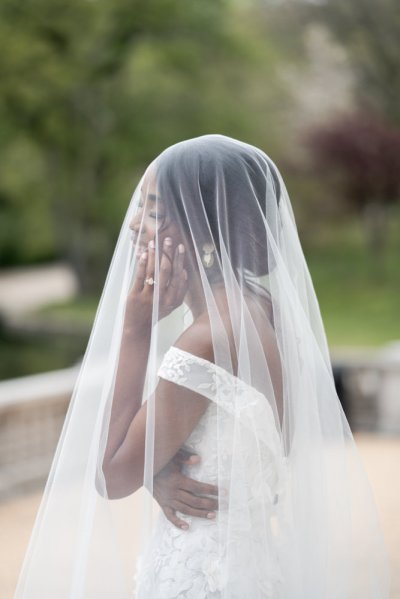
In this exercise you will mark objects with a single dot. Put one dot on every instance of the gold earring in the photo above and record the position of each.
(208, 258)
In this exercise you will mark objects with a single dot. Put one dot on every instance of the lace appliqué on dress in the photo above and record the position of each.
(195, 564)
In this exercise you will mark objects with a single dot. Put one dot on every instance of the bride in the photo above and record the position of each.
(207, 386)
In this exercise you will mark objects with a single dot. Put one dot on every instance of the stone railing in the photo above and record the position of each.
(33, 408)
(32, 412)
(370, 383)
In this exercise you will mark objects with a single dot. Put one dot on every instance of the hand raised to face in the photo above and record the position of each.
(171, 282)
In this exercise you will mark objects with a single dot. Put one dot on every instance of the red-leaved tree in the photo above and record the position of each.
(364, 151)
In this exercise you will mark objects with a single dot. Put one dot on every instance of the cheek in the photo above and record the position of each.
(150, 227)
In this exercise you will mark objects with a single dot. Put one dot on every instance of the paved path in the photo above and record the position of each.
(381, 456)
(28, 288)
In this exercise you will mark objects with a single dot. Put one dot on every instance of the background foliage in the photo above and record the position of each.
(92, 90)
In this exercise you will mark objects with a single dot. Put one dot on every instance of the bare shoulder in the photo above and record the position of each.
(197, 339)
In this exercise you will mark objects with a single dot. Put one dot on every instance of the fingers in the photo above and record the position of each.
(165, 263)
(172, 277)
(177, 492)
(198, 488)
(167, 249)
(140, 273)
(173, 518)
(177, 277)
(145, 268)
(189, 511)
(182, 275)
(151, 253)
(206, 504)
(177, 267)
(182, 288)
(183, 456)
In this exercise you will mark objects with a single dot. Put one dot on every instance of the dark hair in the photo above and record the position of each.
(192, 173)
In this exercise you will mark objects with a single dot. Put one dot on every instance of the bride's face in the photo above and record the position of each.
(146, 221)
(149, 217)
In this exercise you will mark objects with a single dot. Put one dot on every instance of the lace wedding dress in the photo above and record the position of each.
(299, 520)
(196, 563)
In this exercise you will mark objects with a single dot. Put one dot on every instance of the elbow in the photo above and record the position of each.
(117, 482)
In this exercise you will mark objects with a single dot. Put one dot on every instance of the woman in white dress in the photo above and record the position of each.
(208, 342)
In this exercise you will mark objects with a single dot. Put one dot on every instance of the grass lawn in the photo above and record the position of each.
(356, 310)
(79, 310)
(359, 297)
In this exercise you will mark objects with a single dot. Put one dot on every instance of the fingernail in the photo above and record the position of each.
(168, 241)
(143, 257)
(184, 526)
(152, 244)
(211, 515)
(181, 248)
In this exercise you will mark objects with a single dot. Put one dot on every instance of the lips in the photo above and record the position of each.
(134, 238)
(141, 247)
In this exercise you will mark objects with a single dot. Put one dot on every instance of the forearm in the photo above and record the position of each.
(124, 457)
(129, 384)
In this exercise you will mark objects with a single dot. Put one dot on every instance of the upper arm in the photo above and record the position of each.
(176, 411)
(273, 361)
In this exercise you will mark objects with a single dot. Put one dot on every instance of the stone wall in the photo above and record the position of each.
(33, 408)
(32, 412)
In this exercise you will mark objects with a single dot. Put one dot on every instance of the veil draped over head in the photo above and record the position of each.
(231, 363)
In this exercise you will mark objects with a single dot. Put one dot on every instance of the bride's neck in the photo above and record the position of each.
(194, 297)
(197, 304)
(196, 300)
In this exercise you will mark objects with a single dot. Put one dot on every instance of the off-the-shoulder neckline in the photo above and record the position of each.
(217, 368)
(225, 372)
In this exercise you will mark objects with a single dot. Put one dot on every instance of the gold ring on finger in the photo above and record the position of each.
(150, 281)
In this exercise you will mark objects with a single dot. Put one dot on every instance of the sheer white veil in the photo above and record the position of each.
(300, 514)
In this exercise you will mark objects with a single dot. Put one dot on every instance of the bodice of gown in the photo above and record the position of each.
(235, 555)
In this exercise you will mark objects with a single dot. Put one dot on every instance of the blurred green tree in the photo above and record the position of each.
(92, 91)
(371, 33)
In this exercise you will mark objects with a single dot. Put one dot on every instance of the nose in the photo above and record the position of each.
(135, 224)
(136, 220)
(134, 227)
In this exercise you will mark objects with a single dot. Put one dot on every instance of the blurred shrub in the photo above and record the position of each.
(361, 152)
(93, 91)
